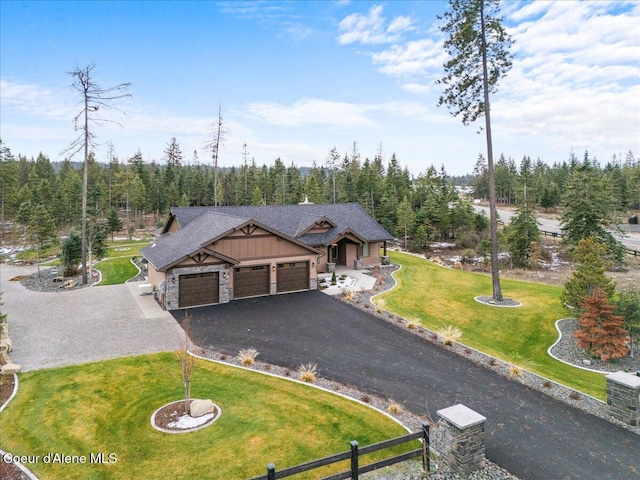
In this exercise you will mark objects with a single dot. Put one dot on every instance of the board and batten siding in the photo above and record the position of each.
(258, 244)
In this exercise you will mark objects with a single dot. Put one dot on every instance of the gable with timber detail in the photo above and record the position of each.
(252, 242)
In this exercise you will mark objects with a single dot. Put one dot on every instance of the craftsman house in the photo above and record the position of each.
(209, 255)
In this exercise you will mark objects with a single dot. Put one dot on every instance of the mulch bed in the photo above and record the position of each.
(172, 411)
(6, 389)
(49, 281)
(505, 302)
(8, 471)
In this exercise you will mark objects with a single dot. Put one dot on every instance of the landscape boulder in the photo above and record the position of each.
(197, 408)
(10, 368)
(7, 344)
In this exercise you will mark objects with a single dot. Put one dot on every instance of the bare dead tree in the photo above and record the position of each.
(94, 98)
(219, 132)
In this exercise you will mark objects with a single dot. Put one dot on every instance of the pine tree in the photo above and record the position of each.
(478, 48)
(588, 276)
(405, 217)
(257, 198)
(114, 223)
(521, 233)
(173, 153)
(587, 209)
(601, 332)
(71, 253)
(629, 308)
(40, 229)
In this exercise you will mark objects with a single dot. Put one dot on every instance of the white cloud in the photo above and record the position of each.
(270, 15)
(370, 28)
(311, 112)
(416, 58)
(400, 24)
(575, 77)
(568, 118)
(35, 100)
(417, 88)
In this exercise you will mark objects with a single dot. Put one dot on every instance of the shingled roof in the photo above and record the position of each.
(288, 219)
(168, 249)
(199, 226)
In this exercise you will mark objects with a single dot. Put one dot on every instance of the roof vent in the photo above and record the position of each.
(306, 201)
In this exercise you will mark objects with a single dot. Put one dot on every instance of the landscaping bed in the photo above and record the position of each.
(50, 281)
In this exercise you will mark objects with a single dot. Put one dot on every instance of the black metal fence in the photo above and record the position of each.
(354, 455)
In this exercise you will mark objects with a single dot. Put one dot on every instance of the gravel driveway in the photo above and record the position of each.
(79, 326)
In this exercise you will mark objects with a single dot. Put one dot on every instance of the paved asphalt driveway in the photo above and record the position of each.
(527, 432)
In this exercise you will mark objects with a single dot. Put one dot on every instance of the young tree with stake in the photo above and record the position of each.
(478, 47)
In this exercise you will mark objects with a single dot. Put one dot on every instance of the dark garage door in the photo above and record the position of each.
(198, 289)
(250, 281)
(293, 277)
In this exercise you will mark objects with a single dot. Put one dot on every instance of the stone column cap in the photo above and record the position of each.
(624, 378)
(461, 416)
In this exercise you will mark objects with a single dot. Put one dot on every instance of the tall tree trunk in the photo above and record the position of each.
(85, 177)
(493, 216)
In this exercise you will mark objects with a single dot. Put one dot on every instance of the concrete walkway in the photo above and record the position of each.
(357, 280)
(527, 432)
(85, 325)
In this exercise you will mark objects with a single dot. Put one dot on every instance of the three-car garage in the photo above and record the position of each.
(195, 289)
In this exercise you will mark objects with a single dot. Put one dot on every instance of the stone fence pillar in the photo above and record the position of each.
(463, 438)
(623, 397)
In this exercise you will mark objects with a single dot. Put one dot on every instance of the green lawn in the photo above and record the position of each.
(106, 407)
(122, 248)
(437, 297)
(116, 270)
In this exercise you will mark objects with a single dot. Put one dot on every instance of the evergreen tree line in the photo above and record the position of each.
(619, 179)
(416, 209)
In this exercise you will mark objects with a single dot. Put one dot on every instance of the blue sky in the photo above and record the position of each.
(295, 79)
